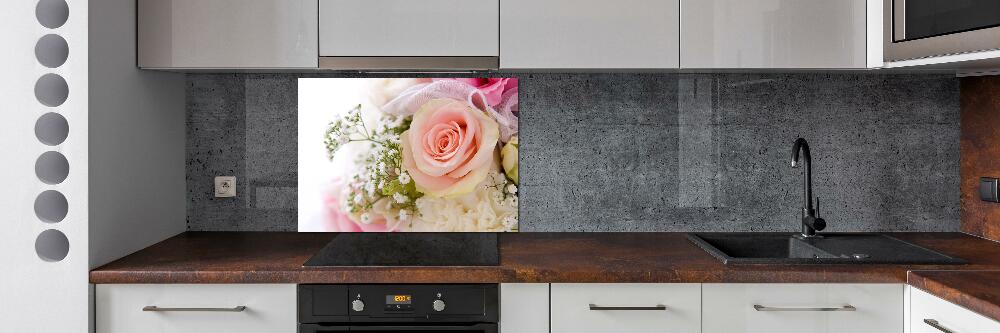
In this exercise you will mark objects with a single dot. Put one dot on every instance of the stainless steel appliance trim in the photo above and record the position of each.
(658, 307)
(409, 63)
(154, 308)
(848, 307)
(957, 43)
(935, 324)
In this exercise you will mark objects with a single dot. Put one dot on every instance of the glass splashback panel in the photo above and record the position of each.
(408, 154)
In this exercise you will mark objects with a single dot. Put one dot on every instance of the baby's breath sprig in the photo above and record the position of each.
(382, 174)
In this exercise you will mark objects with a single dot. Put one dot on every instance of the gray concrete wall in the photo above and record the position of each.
(640, 152)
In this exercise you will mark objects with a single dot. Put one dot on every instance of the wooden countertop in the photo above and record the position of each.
(974, 290)
(277, 257)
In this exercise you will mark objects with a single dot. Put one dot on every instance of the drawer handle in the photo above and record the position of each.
(759, 307)
(935, 324)
(594, 307)
(154, 308)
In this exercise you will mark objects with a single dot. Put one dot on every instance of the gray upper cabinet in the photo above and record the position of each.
(582, 34)
(192, 34)
(408, 33)
(774, 34)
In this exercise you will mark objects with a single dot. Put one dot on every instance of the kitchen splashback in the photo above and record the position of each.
(639, 152)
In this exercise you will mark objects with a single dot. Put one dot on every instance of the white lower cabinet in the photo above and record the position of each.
(625, 307)
(524, 308)
(930, 314)
(189, 308)
(802, 308)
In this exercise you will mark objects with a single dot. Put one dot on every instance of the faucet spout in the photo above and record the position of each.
(810, 222)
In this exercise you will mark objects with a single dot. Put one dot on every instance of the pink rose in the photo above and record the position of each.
(449, 147)
(492, 88)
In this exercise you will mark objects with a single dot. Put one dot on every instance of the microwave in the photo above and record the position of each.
(915, 29)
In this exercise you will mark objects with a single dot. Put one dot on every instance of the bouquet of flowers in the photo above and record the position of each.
(430, 155)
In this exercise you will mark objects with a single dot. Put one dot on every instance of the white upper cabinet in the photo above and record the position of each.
(227, 33)
(580, 34)
(408, 28)
(777, 34)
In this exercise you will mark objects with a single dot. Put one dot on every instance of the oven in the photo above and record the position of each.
(916, 29)
(384, 308)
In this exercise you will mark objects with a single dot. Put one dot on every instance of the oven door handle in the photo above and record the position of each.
(485, 328)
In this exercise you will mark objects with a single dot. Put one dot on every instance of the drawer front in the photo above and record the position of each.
(946, 315)
(796, 308)
(407, 28)
(269, 308)
(571, 310)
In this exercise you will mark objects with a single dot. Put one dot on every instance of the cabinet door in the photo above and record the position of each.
(589, 34)
(408, 28)
(930, 314)
(802, 308)
(626, 307)
(773, 34)
(524, 308)
(191, 308)
(227, 33)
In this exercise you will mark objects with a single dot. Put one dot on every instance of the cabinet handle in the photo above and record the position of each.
(759, 307)
(657, 307)
(935, 324)
(154, 308)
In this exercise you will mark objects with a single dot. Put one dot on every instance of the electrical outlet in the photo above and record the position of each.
(225, 187)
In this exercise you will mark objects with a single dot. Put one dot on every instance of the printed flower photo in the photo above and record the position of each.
(408, 154)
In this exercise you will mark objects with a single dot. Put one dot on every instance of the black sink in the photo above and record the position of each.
(833, 248)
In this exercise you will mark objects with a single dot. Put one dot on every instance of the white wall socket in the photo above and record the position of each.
(225, 187)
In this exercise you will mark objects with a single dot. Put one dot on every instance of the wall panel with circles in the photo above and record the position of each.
(44, 172)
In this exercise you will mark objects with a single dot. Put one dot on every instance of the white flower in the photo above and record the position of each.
(404, 178)
(359, 199)
(512, 201)
(476, 211)
(366, 218)
(404, 214)
(344, 139)
(400, 198)
(510, 222)
(370, 188)
(511, 188)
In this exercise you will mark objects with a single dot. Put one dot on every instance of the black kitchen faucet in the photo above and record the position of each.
(810, 221)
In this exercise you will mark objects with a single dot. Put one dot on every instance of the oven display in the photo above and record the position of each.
(398, 303)
(398, 299)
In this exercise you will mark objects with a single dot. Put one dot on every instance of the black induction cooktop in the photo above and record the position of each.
(409, 249)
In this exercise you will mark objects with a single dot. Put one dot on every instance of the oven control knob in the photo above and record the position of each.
(358, 305)
(438, 305)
